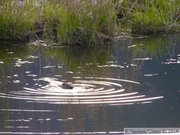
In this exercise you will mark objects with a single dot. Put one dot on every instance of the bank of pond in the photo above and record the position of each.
(80, 22)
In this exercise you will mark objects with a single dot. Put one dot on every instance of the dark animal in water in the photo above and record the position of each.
(67, 85)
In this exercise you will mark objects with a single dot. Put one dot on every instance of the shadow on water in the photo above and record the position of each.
(133, 83)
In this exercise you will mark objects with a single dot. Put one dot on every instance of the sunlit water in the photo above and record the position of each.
(132, 83)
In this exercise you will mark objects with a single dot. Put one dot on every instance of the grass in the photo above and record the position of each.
(63, 21)
(79, 24)
(153, 16)
(83, 22)
(16, 20)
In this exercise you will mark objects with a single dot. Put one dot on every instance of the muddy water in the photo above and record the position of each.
(132, 83)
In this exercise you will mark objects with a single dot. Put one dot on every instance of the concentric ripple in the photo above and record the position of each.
(88, 90)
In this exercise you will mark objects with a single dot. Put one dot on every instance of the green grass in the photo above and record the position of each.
(81, 22)
(16, 20)
(154, 16)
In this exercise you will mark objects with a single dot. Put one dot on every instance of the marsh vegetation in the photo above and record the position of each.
(81, 22)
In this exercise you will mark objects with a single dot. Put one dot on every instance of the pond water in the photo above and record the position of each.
(132, 83)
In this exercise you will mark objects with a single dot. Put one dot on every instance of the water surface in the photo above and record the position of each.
(132, 83)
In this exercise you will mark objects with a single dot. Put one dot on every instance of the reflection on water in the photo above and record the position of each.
(89, 91)
(133, 83)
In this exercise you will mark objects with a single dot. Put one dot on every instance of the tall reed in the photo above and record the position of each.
(155, 16)
(16, 19)
(67, 21)
(81, 22)
(85, 22)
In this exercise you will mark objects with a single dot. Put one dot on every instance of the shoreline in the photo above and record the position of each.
(85, 23)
